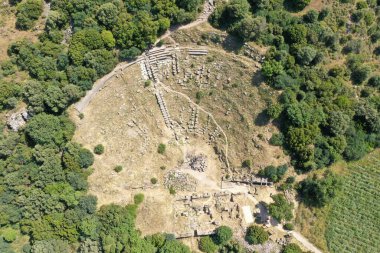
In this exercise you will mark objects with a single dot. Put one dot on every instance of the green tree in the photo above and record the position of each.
(27, 13)
(206, 244)
(256, 235)
(281, 209)
(222, 235)
(107, 15)
(48, 129)
(99, 149)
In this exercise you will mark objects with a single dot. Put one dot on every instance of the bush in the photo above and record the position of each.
(27, 13)
(360, 74)
(129, 54)
(289, 226)
(153, 180)
(319, 192)
(161, 148)
(256, 235)
(138, 198)
(275, 174)
(207, 245)
(374, 81)
(246, 164)
(292, 248)
(277, 139)
(222, 235)
(118, 168)
(281, 209)
(172, 190)
(99, 149)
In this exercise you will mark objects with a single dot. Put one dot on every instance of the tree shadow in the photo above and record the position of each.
(232, 43)
(262, 119)
(257, 78)
(291, 6)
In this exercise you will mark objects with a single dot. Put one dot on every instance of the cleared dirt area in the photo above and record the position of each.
(124, 116)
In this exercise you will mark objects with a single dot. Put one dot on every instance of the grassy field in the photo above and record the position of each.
(353, 224)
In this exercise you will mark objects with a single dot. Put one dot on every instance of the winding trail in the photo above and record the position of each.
(100, 83)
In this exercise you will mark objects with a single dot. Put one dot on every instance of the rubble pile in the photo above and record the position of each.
(180, 181)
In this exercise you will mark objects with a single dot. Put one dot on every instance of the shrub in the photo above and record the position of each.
(161, 148)
(292, 248)
(9, 234)
(147, 83)
(118, 168)
(99, 149)
(153, 180)
(256, 235)
(273, 173)
(374, 81)
(277, 139)
(129, 54)
(172, 190)
(222, 235)
(281, 209)
(360, 74)
(246, 164)
(138, 198)
(207, 245)
(289, 226)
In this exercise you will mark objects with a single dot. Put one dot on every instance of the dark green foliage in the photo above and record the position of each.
(99, 149)
(289, 226)
(45, 129)
(206, 244)
(256, 235)
(130, 54)
(8, 92)
(292, 248)
(118, 168)
(273, 173)
(75, 157)
(318, 192)
(277, 139)
(374, 81)
(281, 209)
(222, 235)
(153, 180)
(360, 74)
(246, 164)
(28, 12)
(174, 246)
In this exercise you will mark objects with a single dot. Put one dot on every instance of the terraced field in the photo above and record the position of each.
(353, 224)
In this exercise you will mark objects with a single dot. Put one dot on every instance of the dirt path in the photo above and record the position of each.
(207, 11)
(100, 83)
(305, 242)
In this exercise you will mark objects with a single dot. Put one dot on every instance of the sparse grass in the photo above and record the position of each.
(172, 191)
(138, 198)
(161, 148)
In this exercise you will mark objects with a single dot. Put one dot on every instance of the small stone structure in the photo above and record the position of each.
(17, 120)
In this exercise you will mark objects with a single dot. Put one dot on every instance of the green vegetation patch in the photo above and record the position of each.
(353, 224)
